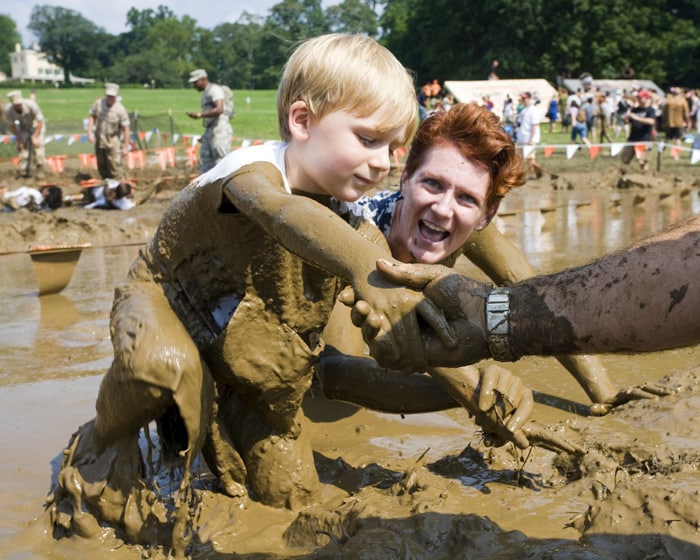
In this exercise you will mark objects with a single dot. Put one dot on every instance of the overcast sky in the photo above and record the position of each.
(111, 14)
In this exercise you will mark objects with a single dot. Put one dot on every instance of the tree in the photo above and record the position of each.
(296, 20)
(235, 50)
(65, 36)
(352, 16)
(160, 50)
(9, 37)
(457, 39)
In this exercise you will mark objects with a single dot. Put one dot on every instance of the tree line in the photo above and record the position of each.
(440, 39)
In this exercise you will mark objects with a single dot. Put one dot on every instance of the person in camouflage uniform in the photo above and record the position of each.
(108, 128)
(216, 140)
(27, 124)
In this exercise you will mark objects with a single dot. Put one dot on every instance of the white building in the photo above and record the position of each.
(30, 65)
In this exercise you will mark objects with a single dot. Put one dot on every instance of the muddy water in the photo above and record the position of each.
(411, 484)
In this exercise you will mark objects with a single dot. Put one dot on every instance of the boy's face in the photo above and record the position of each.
(342, 155)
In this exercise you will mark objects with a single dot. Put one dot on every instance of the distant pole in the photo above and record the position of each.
(135, 119)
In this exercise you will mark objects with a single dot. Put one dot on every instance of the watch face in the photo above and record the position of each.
(497, 309)
(497, 325)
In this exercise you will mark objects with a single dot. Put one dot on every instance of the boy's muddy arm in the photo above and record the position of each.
(639, 300)
(317, 235)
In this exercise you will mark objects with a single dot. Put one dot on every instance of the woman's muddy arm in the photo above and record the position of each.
(498, 400)
(497, 256)
(361, 381)
(348, 374)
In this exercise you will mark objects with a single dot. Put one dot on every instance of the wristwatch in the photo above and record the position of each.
(498, 325)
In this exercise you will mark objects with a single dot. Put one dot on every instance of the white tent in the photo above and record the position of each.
(610, 86)
(497, 90)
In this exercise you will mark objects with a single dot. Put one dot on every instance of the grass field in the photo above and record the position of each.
(66, 112)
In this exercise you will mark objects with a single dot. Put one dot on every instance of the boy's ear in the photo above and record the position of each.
(489, 215)
(299, 120)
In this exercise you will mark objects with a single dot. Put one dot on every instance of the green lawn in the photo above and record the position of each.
(65, 111)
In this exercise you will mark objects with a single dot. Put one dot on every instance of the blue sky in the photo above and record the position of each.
(111, 14)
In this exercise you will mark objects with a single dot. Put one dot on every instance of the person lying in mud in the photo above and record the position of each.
(217, 327)
(460, 165)
(642, 299)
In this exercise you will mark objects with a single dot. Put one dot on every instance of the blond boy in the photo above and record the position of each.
(223, 310)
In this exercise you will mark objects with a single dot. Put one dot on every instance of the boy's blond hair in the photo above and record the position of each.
(347, 72)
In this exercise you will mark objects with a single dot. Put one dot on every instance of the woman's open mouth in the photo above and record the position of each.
(432, 232)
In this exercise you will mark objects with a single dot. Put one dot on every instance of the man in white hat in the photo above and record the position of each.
(109, 129)
(27, 124)
(216, 140)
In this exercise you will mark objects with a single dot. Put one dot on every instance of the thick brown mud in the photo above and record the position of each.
(417, 486)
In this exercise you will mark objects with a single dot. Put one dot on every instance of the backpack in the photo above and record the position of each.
(229, 109)
(581, 115)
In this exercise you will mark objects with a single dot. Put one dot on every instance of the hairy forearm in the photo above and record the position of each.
(644, 299)
(505, 263)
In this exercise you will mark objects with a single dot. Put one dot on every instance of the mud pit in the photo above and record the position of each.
(419, 486)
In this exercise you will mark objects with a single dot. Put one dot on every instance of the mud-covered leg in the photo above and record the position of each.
(280, 466)
(156, 367)
(97, 488)
(157, 374)
(219, 451)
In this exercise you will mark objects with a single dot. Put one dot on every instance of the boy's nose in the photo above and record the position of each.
(380, 160)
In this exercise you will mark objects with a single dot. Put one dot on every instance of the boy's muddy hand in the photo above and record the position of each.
(391, 323)
(413, 275)
(463, 302)
(647, 391)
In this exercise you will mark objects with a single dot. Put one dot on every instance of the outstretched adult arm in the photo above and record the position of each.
(643, 299)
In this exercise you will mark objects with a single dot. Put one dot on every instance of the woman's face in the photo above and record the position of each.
(444, 201)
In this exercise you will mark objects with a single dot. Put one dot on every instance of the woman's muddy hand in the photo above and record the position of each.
(505, 405)
(637, 392)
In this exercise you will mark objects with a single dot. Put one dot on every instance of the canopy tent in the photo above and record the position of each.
(497, 90)
(611, 86)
